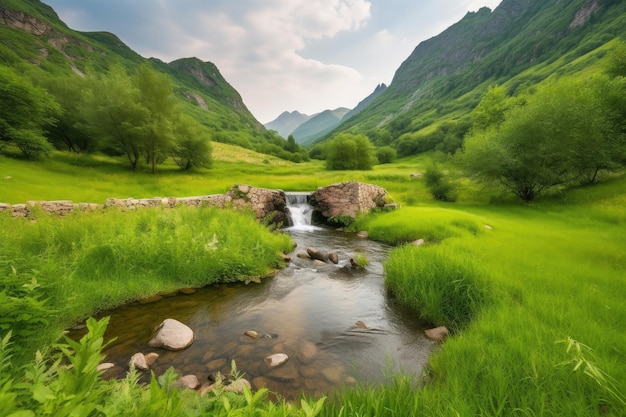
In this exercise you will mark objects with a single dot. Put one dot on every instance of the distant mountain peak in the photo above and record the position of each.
(287, 122)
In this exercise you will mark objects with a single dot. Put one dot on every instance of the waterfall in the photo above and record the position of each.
(300, 211)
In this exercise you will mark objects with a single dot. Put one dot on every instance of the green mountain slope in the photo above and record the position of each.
(34, 40)
(319, 125)
(519, 44)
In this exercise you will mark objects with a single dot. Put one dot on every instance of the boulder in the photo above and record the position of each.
(188, 381)
(252, 334)
(268, 205)
(276, 359)
(151, 358)
(315, 254)
(138, 361)
(172, 335)
(438, 334)
(334, 258)
(237, 386)
(349, 199)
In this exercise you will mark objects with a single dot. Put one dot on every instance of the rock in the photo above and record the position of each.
(308, 352)
(317, 262)
(150, 300)
(216, 364)
(416, 175)
(267, 204)
(252, 334)
(285, 258)
(418, 242)
(350, 380)
(287, 372)
(138, 361)
(315, 254)
(360, 325)
(237, 386)
(151, 358)
(104, 366)
(187, 291)
(206, 388)
(349, 199)
(303, 255)
(276, 359)
(334, 258)
(333, 375)
(172, 335)
(437, 334)
(188, 381)
(362, 234)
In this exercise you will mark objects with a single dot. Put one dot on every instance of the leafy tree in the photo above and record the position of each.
(192, 148)
(25, 112)
(157, 97)
(386, 155)
(69, 132)
(114, 114)
(347, 151)
(561, 133)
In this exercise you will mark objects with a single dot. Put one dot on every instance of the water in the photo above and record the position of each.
(336, 323)
(300, 212)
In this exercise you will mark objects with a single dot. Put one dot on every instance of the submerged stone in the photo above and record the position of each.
(173, 335)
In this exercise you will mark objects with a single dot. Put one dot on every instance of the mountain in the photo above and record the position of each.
(380, 88)
(518, 44)
(37, 43)
(319, 125)
(287, 122)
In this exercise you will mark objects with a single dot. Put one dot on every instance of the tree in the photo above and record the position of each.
(192, 148)
(346, 151)
(386, 155)
(25, 113)
(69, 132)
(156, 95)
(562, 133)
(114, 114)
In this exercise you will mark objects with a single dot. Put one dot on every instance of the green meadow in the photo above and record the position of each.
(534, 295)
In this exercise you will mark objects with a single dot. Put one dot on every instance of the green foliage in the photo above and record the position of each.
(563, 132)
(349, 152)
(25, 113)
(386, 155)
(439, 186)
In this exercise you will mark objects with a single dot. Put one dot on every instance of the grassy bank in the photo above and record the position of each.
(56, 271)
(535, 301)
(544, 290)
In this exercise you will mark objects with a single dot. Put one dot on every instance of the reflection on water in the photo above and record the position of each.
(336, 324)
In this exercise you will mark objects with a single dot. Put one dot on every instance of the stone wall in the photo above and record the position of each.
(268, 205)
(349, 199)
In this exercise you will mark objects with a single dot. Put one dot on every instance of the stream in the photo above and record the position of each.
(336, 323)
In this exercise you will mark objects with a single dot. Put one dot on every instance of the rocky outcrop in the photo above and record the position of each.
(348, 199)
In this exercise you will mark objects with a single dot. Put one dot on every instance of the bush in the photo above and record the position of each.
(438, 185)
(386, 155)
(346, 151)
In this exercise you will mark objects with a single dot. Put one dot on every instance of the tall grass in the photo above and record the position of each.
(445, 287)
(57, 270)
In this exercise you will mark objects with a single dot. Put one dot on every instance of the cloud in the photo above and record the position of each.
(306, 55)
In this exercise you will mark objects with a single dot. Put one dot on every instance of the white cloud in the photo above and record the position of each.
(306, 55)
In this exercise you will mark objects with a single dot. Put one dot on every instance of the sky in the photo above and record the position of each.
(280, 55)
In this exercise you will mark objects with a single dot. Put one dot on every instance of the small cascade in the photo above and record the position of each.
(300, 211)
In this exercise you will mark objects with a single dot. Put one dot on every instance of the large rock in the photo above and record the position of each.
(268, 205)
(349, 199)
(172, 335)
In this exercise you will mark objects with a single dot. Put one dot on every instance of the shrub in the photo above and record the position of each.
(438, 185)
(386, 155)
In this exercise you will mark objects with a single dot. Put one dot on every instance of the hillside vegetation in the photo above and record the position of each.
(517, 45)
(36, 44)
